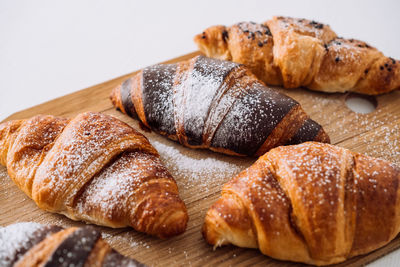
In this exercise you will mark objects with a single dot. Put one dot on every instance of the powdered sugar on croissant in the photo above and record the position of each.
(217, 105)
(32, 245)
(313, 203)
(298, 52)
(93, 168)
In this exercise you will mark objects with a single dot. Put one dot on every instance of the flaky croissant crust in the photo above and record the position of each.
(298, 52)
(313, 203)
(93, 168)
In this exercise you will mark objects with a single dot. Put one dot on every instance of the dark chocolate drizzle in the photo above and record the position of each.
(251, 120)
(75, 249)
(307, 132)
(114, 259)
(126, 97)
(31, 240)
(157, 82)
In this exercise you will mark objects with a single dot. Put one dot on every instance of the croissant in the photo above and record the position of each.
(93, 168)
(313, 203)
(32, 244)
(298, 52)
(214, 104)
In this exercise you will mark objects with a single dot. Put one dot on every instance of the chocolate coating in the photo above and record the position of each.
(157, 82)
(126, 98)
(308, 131)
(203, 84)
(252, 119)
(206, 102)
(75, 249)
(31, 240)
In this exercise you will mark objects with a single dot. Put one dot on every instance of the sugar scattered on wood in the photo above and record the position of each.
(199, 170)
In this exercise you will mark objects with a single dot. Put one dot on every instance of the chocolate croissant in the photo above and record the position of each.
(298, 52)
(32, 245)
(217, 105)
(313, 203)
(93, 168)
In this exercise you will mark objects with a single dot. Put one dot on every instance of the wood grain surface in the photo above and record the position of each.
(376, 134)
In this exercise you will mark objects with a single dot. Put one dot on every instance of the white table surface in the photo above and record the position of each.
(49, 48)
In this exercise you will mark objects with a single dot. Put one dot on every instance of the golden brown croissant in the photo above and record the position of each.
(93, 168)
(215, 104)
(313, 203)
(298, 52)
(32, 245)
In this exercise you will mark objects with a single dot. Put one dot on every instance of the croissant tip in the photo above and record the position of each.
(113, 95)
(209, 232)
(323, 137)
(197, 38)
(212, 237)
(166, 216)
(206, 235)
(174, 225)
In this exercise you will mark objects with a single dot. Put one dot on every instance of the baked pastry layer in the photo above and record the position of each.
(298, 52)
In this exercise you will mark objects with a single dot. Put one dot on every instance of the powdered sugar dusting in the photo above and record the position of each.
(127, 238)
(14, 238)
(345, 50)
(268, 109)
(157, 81)
(196, 92)
(81, 144)
(198, 170)
(384, 143)
(113, 190)
(304, 26)
(376, 134)
(316, 169)
(253, 28)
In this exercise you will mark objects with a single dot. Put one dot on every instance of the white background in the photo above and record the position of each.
(52, 48)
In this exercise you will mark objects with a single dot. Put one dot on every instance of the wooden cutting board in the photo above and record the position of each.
(201, 174)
